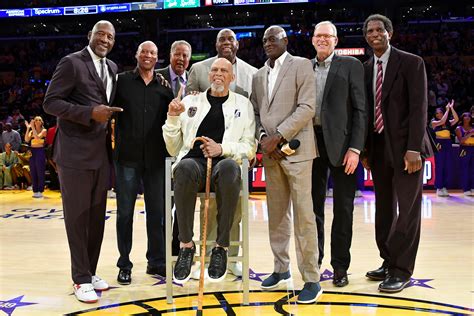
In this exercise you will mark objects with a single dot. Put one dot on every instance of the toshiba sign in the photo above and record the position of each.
(350, 51)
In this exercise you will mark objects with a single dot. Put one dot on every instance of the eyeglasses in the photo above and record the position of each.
(324, 36)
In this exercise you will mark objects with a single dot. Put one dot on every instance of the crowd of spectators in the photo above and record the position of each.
(27, 66)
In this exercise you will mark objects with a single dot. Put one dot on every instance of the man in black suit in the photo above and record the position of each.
(139, 155)
(80, 91)
(396, 147)
(340, 126)
(176, 73)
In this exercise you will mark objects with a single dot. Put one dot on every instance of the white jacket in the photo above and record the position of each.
(239, 136)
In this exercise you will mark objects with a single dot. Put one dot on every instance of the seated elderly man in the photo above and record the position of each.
(226, 120)
(7, 160)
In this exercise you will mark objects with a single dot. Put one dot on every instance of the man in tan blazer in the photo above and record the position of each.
(284, 99)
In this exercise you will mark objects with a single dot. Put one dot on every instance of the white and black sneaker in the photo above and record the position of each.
(182, 268)
(218, 266)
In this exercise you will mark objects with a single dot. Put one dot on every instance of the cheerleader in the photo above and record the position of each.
(465, 135)
(35, 132)
(441, 126)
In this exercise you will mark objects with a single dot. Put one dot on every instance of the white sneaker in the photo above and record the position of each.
(85, 293)
(29, 188)
(35, 195)
(440, 192)
(468, 193)
(235, 268)
(358, 194)
(197, 272)
(329, 192)
(445, 191)
(111, 194)
(99, 284)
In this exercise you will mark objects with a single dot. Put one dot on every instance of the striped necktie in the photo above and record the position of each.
(103, 72)
(378, 99)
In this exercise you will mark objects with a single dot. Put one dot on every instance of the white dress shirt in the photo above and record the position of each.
(96, 59)
(273, 72)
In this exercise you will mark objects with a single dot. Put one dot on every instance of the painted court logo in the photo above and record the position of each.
(281, 303)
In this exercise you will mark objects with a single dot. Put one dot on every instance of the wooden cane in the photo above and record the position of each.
(204, 227)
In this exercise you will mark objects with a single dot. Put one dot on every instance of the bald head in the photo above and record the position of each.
(102, 38)
(220, 77)
(227, 44)
(275, 42)
(147, 56)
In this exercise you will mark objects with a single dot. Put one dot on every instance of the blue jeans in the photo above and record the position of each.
(127, 182)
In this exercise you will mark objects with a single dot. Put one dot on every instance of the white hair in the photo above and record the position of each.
(327, 23)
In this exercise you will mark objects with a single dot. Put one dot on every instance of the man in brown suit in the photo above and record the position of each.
(284, 99)
(396, 147)
(79, 93)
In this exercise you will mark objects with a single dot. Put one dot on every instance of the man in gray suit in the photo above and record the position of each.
(80, 91)
(176, 73)
(226, 47)
(284, 98)
(340, 126)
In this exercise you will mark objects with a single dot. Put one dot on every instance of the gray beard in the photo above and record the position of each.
(217, 88)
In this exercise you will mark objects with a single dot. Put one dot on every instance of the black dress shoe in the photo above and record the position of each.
(124, 276)
(378, 274)
(393, 284)
(340, 278)
(159, 270)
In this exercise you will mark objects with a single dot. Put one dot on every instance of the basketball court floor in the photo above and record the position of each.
(35, 267)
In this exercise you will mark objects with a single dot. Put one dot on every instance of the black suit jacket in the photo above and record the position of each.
(404, 106)
(344, 108)
(76, 88)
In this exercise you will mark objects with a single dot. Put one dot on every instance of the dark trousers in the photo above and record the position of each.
(442, 158)
(467, 167)
(190, 178)
(127, 183)
(397, 236)
(37, 168)
(84, 196)
(343, 195)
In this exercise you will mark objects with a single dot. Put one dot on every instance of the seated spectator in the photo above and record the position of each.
(21, 170)
(226, 120)
(11, 137)
(7, 160)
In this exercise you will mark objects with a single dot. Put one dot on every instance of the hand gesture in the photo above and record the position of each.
(102, 113)
(450, 105)
(176, 107)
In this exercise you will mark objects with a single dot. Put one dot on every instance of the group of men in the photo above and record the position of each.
(340, 111)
